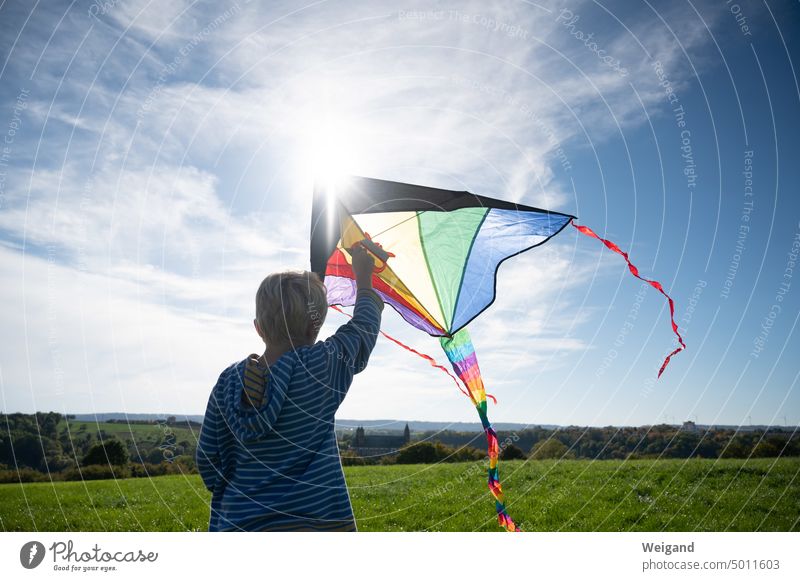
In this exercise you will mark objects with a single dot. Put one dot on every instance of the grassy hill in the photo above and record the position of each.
(573, 495)
(139, 432)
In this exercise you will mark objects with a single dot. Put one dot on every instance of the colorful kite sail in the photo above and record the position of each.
(447, 245)
(446, 249)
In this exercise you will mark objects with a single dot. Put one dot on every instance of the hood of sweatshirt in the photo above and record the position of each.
(250, 423)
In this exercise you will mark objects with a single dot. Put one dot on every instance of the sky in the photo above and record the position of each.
(158, 161)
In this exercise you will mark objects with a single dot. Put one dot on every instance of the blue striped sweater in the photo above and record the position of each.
(277, 466)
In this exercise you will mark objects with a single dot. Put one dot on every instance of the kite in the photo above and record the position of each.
(440, 251)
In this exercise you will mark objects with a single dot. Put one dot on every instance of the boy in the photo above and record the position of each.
(267, 449)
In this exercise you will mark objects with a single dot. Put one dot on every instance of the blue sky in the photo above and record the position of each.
(159, 162)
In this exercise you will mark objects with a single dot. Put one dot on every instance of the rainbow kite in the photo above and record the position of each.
(445, 248)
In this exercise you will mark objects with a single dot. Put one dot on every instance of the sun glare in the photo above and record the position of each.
(332, 158)
(333, 155)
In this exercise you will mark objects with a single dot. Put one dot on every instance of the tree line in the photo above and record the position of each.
(47, 445)
(643, 442)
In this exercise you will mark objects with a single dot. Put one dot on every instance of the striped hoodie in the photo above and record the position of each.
(275, 465)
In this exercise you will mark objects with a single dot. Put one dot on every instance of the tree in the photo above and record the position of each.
(420, 453)
(157, 455)
(28, 450)
(430, 453)
(551, 448)
(512, 452)
(48, 423)
(110, 452)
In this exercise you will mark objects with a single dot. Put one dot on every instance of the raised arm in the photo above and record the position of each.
(349, 348)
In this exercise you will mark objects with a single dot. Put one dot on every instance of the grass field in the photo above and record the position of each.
(572, 495)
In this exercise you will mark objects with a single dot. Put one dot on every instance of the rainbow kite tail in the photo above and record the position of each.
(461, 353)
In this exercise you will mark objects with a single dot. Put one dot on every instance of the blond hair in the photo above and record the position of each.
(286, 302)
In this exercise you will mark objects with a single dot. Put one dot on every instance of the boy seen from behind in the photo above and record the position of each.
(267, 449)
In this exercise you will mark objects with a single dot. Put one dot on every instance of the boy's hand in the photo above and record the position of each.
(363, 266)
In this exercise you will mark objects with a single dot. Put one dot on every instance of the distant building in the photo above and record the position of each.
(379, 444)
(689, 426)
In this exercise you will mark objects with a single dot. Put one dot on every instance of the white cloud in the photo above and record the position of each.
(86, 342)
(164, 225)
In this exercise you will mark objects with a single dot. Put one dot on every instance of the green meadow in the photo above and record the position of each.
(125, 431)
(568, 495)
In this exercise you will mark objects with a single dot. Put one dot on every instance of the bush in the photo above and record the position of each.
(512, 452)
(736, 448)
(184, 464)
(421, 453)
(181, 465)
(770, 448)
(109, 452)
(60, 463)
(465, 454)
(350, 458)
(433, 452)
(97, 472)
(148, 469)
(22, 475)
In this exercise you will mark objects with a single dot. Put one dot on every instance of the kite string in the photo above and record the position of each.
(417, 214)
(400, 223)
(653, 283)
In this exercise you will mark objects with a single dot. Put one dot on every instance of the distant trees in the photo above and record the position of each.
(768, 448)
(46, 445)
(43, 447)
(423, 453)
(433, 452)
(29, 440)
(551, 449)
(658, 441)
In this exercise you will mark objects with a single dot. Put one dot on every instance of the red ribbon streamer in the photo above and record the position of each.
(653, 283)
(427, 358)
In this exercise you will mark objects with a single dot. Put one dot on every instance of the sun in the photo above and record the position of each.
(333, 153)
